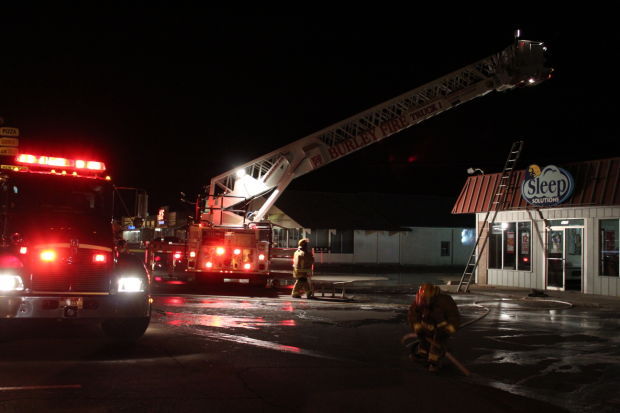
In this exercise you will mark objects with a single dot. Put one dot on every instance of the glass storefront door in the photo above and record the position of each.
(564, 258)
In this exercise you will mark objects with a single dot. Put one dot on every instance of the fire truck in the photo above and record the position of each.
(231, 234)
(58, 254)
(167, 260)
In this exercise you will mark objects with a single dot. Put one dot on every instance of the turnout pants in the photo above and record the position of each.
(431, 352)
(303, 284)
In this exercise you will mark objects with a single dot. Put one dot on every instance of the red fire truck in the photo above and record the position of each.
(167, 261)
(58, 256)
(231, 234)
(236, 254)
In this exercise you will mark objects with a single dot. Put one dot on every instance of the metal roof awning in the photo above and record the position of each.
(596, 184)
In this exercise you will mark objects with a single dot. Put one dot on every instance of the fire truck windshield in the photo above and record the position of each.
(25, 192)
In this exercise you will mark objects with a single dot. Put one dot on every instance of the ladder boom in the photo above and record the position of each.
(521, 64)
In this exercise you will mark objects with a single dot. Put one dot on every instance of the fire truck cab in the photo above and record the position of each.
(58, 256)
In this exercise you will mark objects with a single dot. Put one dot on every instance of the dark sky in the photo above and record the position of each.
(169, 97)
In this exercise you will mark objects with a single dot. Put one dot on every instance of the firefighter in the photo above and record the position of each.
(433, 317)
(302, 269)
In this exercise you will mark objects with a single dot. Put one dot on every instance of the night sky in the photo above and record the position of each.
(170, 97)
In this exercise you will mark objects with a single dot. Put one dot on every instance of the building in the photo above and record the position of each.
(360, 228)
(373, 228)
(167, 224)
(558, 229)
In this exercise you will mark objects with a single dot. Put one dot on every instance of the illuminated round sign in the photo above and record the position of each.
(547, 187)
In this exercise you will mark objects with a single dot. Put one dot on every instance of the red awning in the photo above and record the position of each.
(596, 184)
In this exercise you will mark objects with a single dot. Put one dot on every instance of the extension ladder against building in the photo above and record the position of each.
(496, 203)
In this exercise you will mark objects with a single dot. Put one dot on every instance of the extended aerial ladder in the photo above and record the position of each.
(231, 236)
(520, 64)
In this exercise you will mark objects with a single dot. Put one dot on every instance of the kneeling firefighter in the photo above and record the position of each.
(433, 317)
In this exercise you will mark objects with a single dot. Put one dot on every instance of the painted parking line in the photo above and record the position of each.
(57, 386)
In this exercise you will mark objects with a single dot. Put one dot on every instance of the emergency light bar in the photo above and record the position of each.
(54, 162)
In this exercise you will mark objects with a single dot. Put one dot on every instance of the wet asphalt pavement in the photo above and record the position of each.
(544, 348)
(240, 348)
(561, 347)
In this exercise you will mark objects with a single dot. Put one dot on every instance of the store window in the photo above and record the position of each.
(509, 246)
(319, 240)
(495, 246)
(293, 236)
(286, 237)
(524, 245)
(445, 248)
(342, 241)
(608, 247)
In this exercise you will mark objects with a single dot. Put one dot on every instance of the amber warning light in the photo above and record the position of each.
(54, 162)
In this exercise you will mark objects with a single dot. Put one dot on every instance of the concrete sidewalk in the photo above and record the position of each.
(408, 283)
(576, 299)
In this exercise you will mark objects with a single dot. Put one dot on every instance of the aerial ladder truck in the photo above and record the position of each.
(227, 238)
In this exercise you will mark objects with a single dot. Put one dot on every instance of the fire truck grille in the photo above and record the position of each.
(77, 275)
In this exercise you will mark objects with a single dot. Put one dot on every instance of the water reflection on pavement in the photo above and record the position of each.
(545, 349)
(540, 348)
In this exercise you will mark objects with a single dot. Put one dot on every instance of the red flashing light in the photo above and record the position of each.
(526, 259)
(23, 250)
(54, 161)
(192, 254)
(95, 166)
(48, 255)
(261, 257)
(220, 250)
(209, 264)
(237, 251)
(51, 161)
(99, 258)
(177, 255)
(247, 266)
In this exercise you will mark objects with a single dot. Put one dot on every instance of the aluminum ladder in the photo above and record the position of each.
(496, 203)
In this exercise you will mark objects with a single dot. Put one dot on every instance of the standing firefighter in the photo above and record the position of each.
(302, 269)
(434, 317)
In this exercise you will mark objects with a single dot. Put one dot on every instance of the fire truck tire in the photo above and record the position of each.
(125, 328)
(5, 332)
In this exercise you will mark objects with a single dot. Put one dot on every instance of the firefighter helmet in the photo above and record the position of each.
(425, 294)
(303, 242)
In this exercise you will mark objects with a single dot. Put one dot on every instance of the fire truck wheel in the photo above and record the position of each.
(125, 328)
(5, 332)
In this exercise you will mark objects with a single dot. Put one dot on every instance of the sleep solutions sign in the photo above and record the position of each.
(547, 187)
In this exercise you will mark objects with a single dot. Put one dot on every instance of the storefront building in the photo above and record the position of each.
(558, 228)
(374, 228)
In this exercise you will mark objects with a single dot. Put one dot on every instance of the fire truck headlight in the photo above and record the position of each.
(130, 285)
(9, 282)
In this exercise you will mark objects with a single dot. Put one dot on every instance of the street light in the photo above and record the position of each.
(472, 171)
